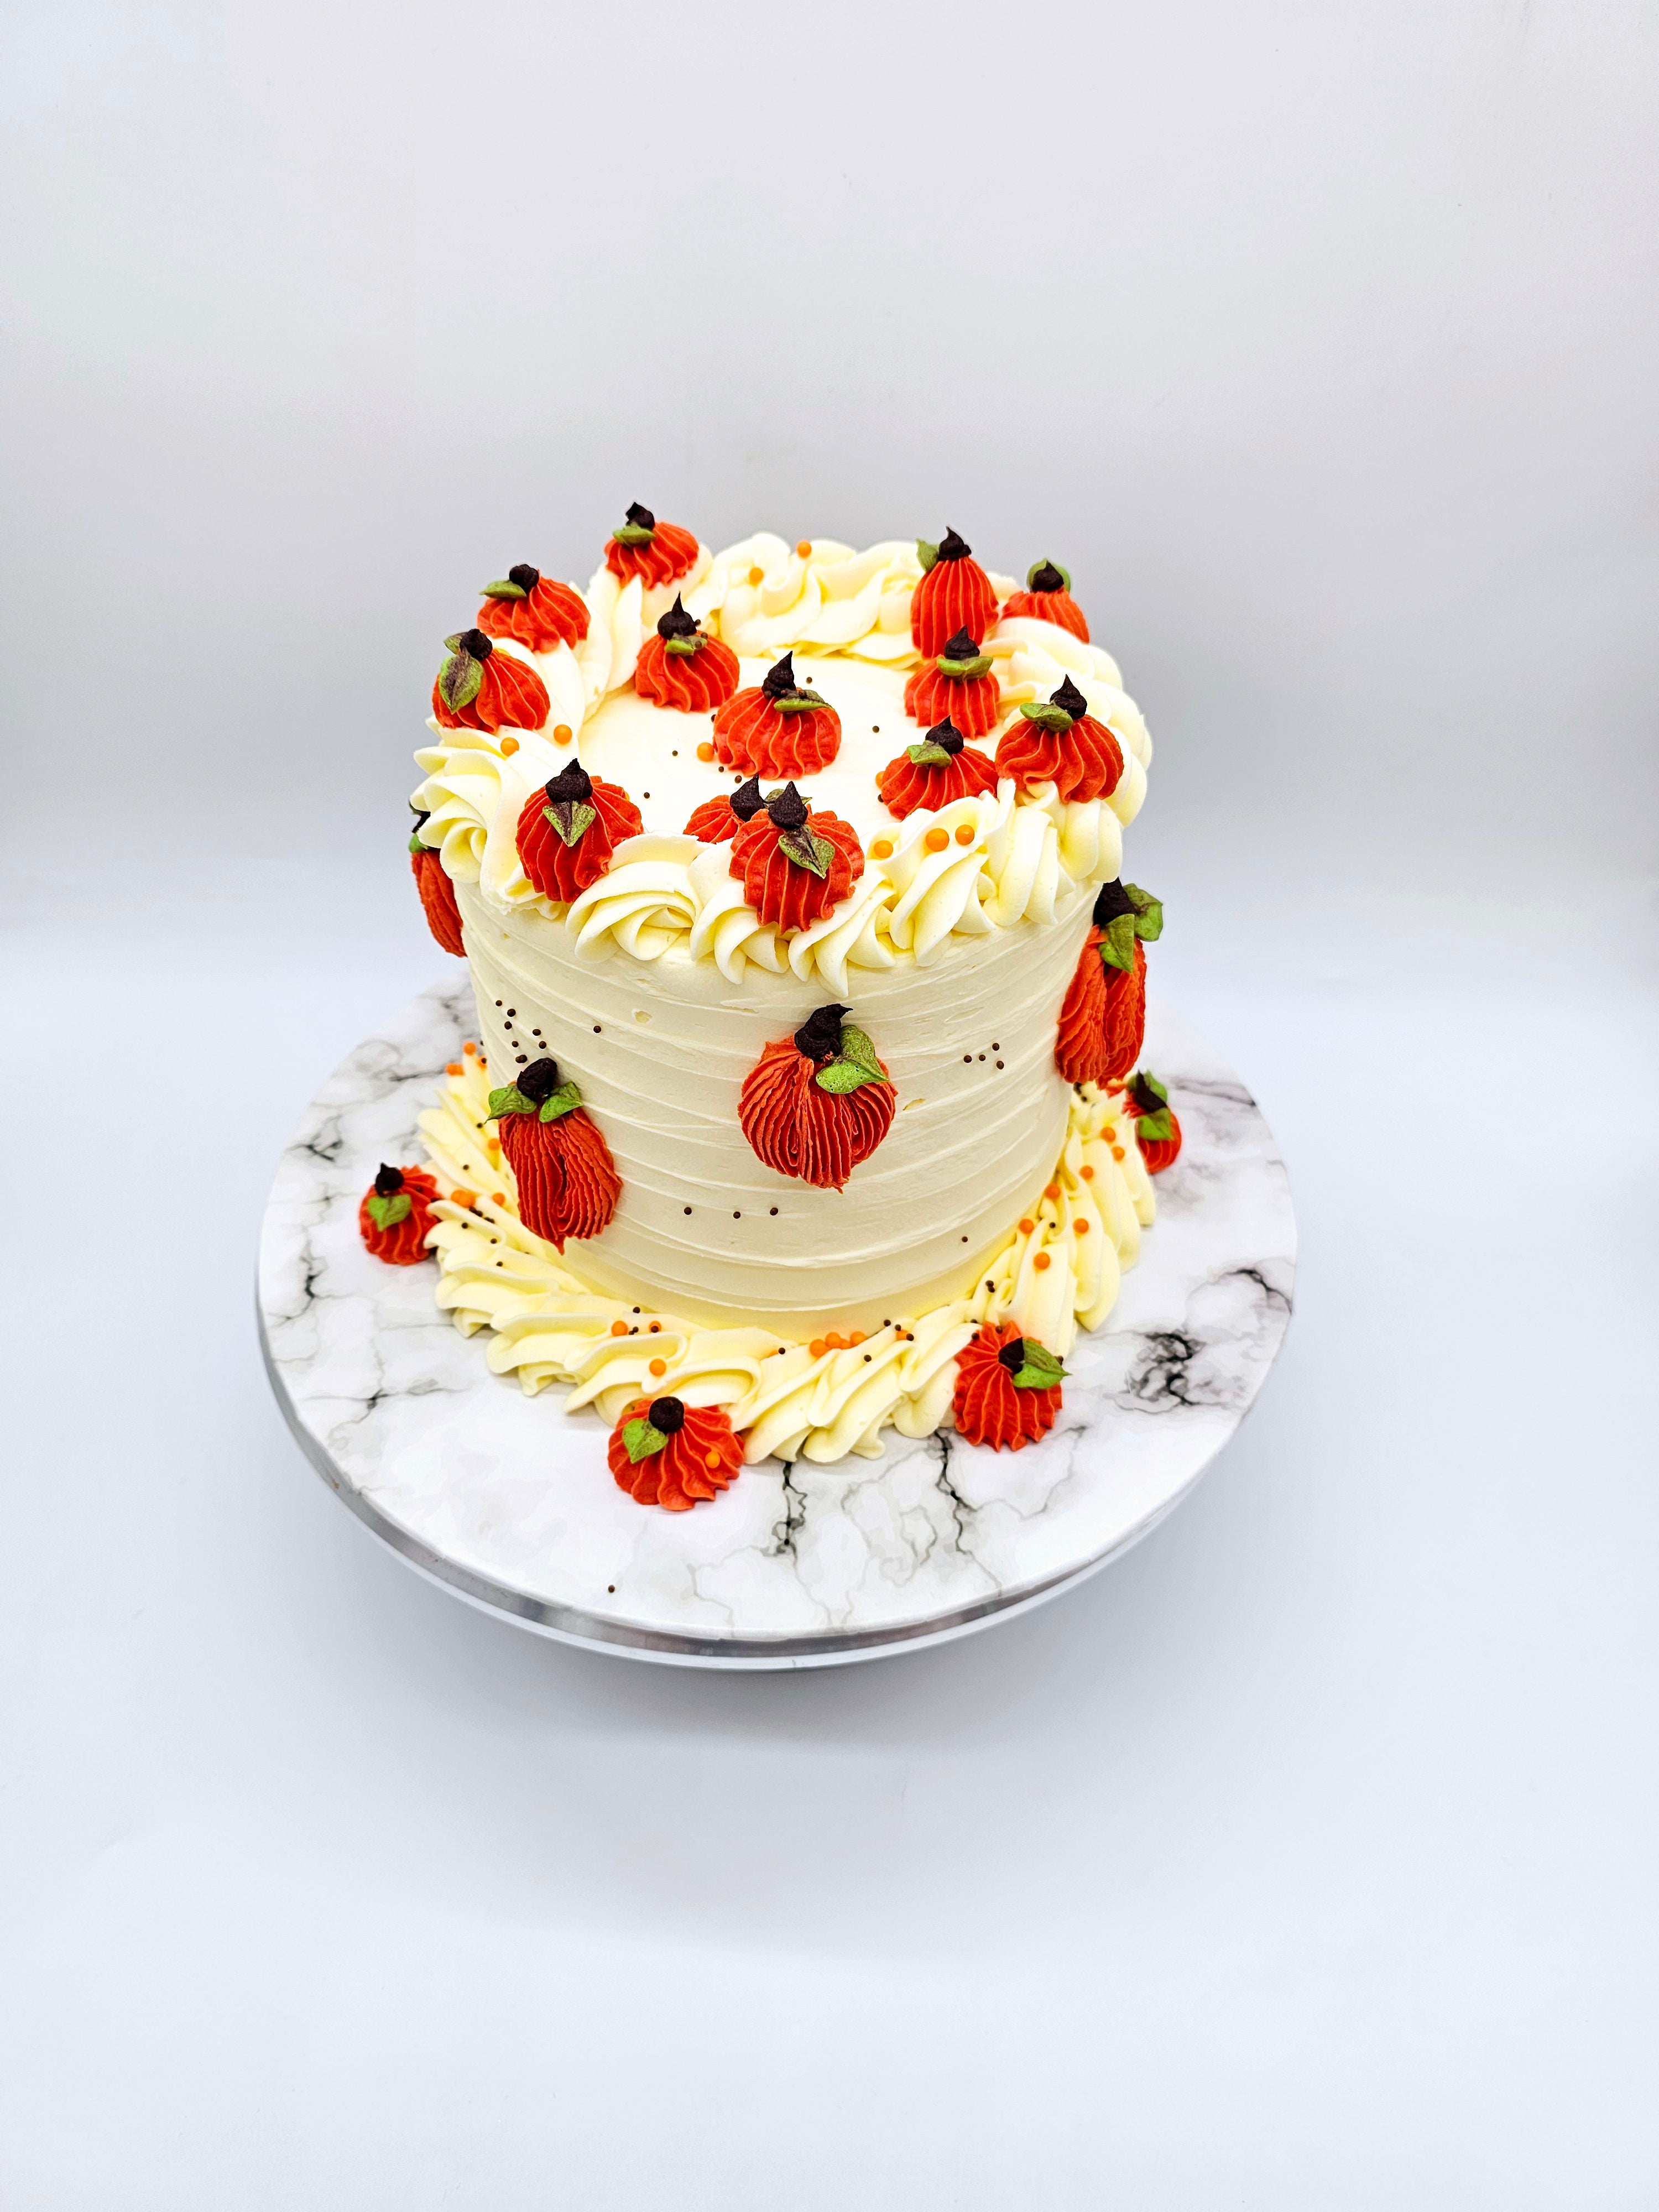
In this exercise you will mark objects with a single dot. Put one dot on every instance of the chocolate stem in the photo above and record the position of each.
(819, 1034)
(572, 782)
(538, 1081)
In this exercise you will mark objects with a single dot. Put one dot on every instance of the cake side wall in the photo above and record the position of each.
(661, 1049)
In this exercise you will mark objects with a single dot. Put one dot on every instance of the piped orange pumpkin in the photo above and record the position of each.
(569, 829)
(1008, 1388)
(1057, 740)
(657, 552)
(954, 593)
(663, 1452)
(684, 666)
(479, 689)
(396, 1213)
(567, 1182)
(795, 867)
(1048, 598)
(443, 915)
(817, 1103)
(777, 727)
(533, 610)
(1103, 1018)
(929, 774)
(955, 686)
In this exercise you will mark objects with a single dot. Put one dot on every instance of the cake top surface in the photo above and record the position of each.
(939, 714)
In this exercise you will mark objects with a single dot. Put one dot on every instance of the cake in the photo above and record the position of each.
(805, 1097)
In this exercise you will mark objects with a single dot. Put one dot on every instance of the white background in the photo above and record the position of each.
(1305, 1859)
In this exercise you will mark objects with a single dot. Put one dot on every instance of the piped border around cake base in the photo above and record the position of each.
(1057, 1271)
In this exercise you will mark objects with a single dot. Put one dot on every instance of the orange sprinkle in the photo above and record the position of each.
(705, 751)
(494, 1148)
(454, 1067)
(562, 734)
(881, 849)
(464, 1197)
(509, 746)
(936, 839)
(757, 576)
(619, 1328)
(1087, 1173)
(1117, 1151)
(1026, 1225)
(817, 1347)
(1040, 1261)
(1079, 1228)
(498, 1198)
(803, 546)
(1052, 1191)
(659, 1367)
(856, 1339)
(469, 1046)
(711, 1459)
(964, 833)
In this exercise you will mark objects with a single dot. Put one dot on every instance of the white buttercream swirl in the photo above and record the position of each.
(830, 600)
(1058, 1272)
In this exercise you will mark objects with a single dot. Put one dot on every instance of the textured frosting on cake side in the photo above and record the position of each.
(659, 1049)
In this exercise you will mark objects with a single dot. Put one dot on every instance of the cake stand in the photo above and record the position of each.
(507, 1500)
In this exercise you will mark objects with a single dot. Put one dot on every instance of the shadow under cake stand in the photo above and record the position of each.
(508, 1501)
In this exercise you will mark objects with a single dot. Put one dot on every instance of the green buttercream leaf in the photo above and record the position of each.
(807, 849)
(1149, 917)
(1046, 715)
(683, 646)
(1117, 945)
(387, 1212)
(927, 553)
(857, 1048)
(417, 844)
(960, 669)
(1146, 1086)
(460, 680)
(841, 1076)
(643, 1442)
(1040, 1370)
(798, 702)
(632, 533)
(1155, 1128)
(565, 1100)
(570, 817)
(509, 1100)
(505, 589)
(927, 755)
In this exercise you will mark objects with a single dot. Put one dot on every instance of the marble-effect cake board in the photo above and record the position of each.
(508, 1501)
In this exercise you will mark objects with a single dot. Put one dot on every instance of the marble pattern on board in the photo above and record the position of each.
(408, 1414)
